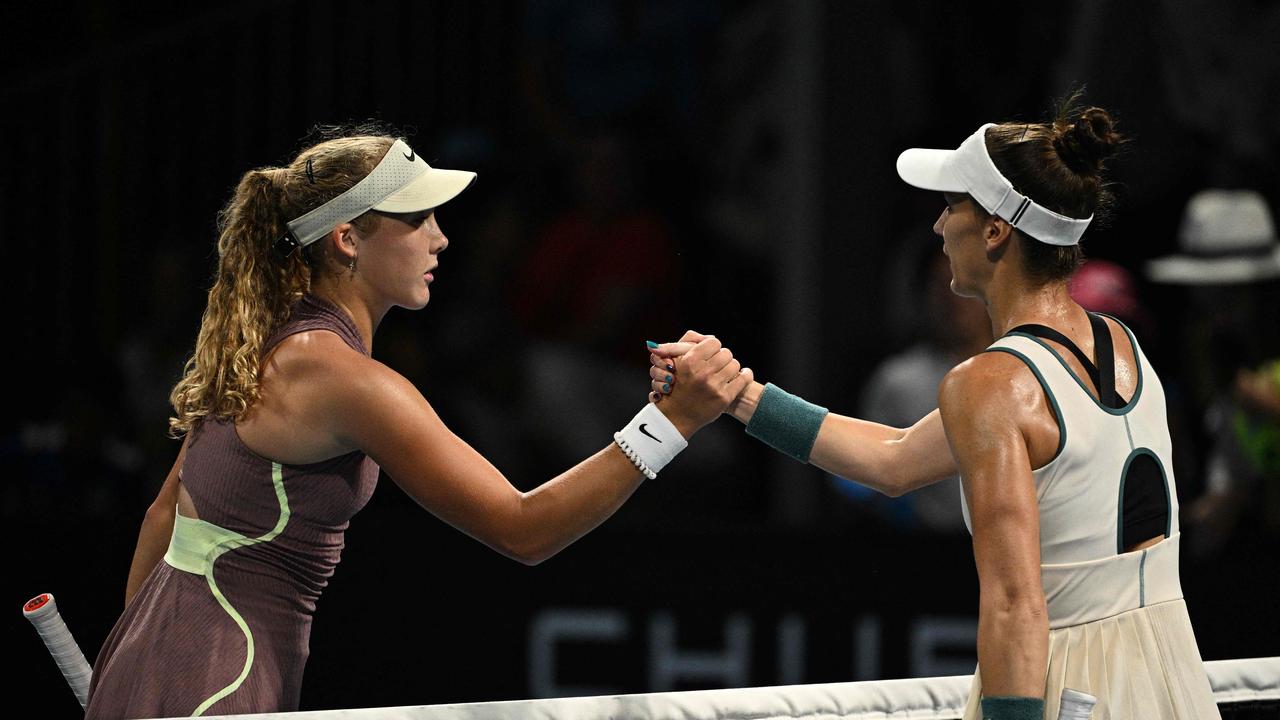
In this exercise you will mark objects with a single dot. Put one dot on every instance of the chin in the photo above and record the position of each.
(415, 301)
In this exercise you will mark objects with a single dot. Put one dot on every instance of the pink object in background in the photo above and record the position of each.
(1105, 287)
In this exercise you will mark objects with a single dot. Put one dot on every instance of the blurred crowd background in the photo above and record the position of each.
(646, 167)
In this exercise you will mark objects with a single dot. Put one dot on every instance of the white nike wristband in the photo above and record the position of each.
(650, 440)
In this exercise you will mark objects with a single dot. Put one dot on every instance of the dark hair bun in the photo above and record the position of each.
(1087, 141)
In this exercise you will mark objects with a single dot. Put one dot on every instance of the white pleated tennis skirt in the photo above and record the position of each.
(1142, 664)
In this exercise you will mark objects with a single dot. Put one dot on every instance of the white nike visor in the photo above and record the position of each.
(969, 169)
(402, 182)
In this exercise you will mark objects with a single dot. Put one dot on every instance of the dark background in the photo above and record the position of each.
(744, 152)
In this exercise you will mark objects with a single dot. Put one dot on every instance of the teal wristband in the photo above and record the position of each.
(1012, 708)
(786, 423)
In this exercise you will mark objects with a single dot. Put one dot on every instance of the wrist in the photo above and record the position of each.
(650, 440)
(687, 426)
(745, 405)
(787, 423)
(1012, 708)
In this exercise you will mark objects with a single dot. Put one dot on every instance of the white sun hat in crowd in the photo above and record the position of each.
(1227, 237)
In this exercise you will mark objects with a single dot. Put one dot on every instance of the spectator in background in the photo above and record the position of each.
(1230, 262)
(606, 267)
(1105, 287)
(600, 277)
(904, 388)
(1260, 390)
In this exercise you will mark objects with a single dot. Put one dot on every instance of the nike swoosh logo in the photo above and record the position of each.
(410, 156)
(646, 432)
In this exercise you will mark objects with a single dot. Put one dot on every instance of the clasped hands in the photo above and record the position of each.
(710, 379)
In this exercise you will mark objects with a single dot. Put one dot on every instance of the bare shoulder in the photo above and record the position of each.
(989, 382)
(995, 399)
(313, 351)
(322, 362)
(314, 380)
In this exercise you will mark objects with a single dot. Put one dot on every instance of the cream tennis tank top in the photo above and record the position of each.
(1081, 491)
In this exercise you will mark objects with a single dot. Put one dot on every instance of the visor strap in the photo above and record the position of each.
(1017, 214)
(396, 170)
(993, 191)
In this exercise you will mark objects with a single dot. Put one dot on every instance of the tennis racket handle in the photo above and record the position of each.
(1076, 705)
(42, 611)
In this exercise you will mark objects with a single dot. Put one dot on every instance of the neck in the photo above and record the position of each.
(1013, 301)
(344, 293)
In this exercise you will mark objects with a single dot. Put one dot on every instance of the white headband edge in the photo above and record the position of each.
(370, 190)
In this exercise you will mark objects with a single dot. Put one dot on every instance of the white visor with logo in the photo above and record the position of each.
(402, 182)
(969, 169)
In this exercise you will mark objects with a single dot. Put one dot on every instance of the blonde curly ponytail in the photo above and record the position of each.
(254, 287)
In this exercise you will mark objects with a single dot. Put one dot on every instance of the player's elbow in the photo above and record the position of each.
(887, 486)
(893, 476)
(526, 549)
(1020, 608)
(527, 556)
(893, 482)
(532, 560)
(1014, 601)
(160, 513)
(888, 481)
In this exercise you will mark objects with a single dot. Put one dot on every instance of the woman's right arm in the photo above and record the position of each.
(380, 412)
(157, 528)
(886, 459)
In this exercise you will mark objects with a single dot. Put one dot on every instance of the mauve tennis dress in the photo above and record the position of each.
(222, 625)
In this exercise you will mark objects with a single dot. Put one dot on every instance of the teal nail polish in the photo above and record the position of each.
(652, 345)
(666, 388)
(669, 378)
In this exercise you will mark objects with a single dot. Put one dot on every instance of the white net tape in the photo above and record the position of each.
(939, 698)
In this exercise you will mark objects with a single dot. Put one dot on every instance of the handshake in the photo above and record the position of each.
(695, 380)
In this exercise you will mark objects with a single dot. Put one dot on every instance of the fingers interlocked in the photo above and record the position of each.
(696, 358)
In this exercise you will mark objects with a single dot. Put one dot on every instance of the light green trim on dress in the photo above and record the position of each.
(194, 548)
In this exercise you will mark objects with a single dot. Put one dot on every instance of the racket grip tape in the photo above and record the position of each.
(42, 611)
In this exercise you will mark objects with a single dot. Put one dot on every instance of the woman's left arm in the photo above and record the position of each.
(157, 528)
(986, 403)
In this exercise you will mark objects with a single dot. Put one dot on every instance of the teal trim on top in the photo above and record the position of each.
(1053, 401)
(1137, 393)
(1142, 579)
(1168, 500)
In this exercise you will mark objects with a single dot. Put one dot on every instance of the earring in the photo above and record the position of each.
(351, 266)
